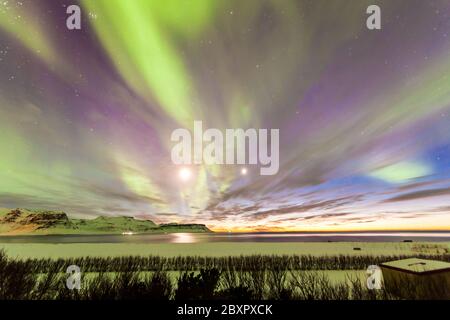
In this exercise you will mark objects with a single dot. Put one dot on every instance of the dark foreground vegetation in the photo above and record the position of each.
(195, 263)
(198, 278)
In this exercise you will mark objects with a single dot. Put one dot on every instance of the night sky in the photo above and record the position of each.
(364, 116)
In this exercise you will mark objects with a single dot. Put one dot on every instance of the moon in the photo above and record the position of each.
(185, 174)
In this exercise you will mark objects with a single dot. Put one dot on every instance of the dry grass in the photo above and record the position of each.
(235, 278)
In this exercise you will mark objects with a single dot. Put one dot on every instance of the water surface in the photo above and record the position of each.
(236, 237)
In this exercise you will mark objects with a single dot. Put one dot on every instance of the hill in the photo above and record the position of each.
(43, 222)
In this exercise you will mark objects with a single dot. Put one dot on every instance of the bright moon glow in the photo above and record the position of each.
(185, 174)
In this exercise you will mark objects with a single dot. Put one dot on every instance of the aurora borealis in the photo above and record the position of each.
(364, 115)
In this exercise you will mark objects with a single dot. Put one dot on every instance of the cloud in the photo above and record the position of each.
(420, 195)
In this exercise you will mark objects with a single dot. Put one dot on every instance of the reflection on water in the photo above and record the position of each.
(232, 237)
(183, 238)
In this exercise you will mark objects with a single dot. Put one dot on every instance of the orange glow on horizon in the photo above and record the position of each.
(292, 229)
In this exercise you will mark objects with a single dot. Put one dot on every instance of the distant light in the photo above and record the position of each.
(185, 174)
(244, 171)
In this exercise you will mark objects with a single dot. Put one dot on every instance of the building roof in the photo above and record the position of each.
(415, 265)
